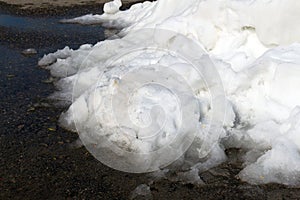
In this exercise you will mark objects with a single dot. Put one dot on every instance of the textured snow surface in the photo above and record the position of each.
(254, 45)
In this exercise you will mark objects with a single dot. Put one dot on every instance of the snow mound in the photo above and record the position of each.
(245, 95)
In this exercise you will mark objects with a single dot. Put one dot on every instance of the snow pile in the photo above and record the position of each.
(254, 47)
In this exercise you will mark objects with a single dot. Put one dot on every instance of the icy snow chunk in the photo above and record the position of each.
(142, 192)
(279, 165)
(52, 57)
(191, 176)
(119, 19)
(112, 7)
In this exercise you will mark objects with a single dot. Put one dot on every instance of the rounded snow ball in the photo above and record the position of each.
(112, 7)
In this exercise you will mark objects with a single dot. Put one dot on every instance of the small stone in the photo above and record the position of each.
(29, 52)
(20, 127)
(44, 145)
(41, 105)
(52, 129)
(31, 109)
(49, 80)
(10, 76)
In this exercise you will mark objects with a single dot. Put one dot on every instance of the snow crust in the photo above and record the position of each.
(254, 45)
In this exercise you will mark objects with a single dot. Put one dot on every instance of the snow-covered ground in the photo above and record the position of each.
(185, 80)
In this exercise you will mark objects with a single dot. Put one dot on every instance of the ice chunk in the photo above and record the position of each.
(52, 57)
(112, 7)
(278, 165)
(142, 192)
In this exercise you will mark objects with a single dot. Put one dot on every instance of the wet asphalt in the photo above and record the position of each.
(37, 158)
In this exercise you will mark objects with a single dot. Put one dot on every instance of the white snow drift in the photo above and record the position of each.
(254, 45)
